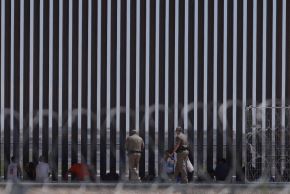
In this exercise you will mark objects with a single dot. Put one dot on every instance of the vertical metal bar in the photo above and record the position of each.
(245, 24)
(235, 26)
(195, 77)
(2, 69)
(70, 78)
(176, 63)
(205, 70)
(80, 43)
(186, 43)
(166, 71)
(128, 50)
(118, 71)
(50, 72)
(137, 101)
(225, 63)
(137, 65)
(157, 47)
(274, 80)
(215, 115)
(41, 10)
(283, 78)
(12, 75)
(7, 128)
(147, 91)
(254, 88)
(60, 63)
(264, 81)
(108, 119)
(2, 61)
(99, 52)
(108, 62)
(21, 73)
(89, 97)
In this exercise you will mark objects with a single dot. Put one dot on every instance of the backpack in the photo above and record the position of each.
(169, 165)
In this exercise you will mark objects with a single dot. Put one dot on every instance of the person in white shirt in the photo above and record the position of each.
(42, 170)
(167, 166)
(13, 171)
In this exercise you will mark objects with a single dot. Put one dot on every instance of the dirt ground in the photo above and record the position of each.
(140, 189)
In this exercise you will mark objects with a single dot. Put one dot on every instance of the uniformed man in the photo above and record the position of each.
(181, 149)
(134, 146)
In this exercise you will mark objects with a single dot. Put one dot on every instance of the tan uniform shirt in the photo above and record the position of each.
(182, 140)
(134, 143)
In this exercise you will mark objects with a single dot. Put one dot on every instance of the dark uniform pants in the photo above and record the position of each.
(134, 159)
(181, 168)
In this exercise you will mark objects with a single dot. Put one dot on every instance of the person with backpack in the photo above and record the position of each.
(79, 172)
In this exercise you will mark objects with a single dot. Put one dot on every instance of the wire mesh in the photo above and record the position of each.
(268, 146)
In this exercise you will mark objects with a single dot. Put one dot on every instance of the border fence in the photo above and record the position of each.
(78, 75)
(267, 140)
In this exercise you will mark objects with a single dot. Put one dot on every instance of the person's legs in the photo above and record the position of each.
(131, 165)
(182, 157)
(136, 164)
(178, 166)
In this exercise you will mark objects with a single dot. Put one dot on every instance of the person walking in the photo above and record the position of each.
(181, 149)
(134, 146)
